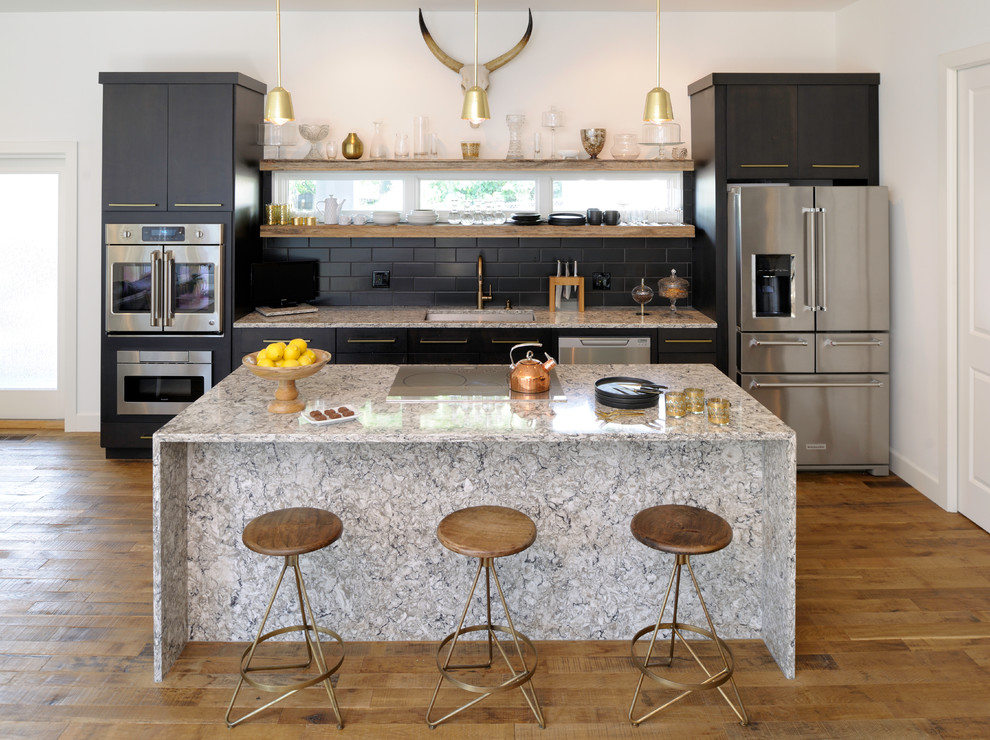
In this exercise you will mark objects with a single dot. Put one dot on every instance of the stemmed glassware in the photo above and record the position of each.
(515, 122)
(314, 133)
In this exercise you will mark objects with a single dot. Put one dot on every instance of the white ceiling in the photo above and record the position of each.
(753, 6)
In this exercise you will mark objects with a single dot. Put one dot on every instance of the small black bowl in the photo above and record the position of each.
(610, 218)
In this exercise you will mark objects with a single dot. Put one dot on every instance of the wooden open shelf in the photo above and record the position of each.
(439, 231)
(476, 165)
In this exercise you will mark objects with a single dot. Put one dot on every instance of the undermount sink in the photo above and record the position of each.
(492, 315)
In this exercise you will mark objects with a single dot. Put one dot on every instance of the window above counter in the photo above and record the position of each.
(648, 193)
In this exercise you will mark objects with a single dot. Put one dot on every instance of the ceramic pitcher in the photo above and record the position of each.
(331, 209)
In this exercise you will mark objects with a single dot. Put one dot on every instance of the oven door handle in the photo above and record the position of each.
(169, 284)
(156, 282)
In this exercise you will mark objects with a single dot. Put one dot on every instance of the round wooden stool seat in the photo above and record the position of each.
(294, 531)
(486, 531)
(681, 530)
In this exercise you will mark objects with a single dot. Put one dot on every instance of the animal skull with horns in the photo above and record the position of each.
(467, 70)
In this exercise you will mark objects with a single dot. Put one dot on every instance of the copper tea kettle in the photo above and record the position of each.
(529, 375)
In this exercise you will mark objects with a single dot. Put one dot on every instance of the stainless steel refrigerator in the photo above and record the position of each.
(811, 298)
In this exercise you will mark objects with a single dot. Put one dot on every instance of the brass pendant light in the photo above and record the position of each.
(658, 108)
(278, 105)
(475, 108)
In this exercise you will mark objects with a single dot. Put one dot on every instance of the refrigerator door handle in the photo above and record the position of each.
(167, 313)
(762, 343)
(810, 259)
(156, 281)
(872, 384)
(870, 343)
(823, 250)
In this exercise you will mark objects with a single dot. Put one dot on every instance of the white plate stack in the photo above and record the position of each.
(422, 217)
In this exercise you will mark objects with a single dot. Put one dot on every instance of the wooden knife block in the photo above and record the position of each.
(574, 281)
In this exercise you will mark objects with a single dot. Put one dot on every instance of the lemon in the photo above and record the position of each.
(262, 355)
(292, 352)
(265, 362)
(290, 363)
(305, 360)
(300, 343)
(279, 363)
(310, 355)
(275, 351)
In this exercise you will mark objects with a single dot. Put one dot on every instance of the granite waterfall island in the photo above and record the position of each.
(396, 471)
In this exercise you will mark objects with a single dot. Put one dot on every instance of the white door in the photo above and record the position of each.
(974, 293)
(37, 281)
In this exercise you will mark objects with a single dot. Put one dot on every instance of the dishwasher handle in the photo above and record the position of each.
(595, 342)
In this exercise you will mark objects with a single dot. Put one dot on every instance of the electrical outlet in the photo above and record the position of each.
(380, 278)
(601, 281)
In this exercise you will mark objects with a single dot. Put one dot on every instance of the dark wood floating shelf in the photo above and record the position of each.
(476, 165)
(449, 230)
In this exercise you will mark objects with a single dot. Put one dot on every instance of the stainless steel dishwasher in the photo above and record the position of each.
(615, 350)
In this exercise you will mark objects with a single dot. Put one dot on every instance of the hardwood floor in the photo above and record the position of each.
(893, 631)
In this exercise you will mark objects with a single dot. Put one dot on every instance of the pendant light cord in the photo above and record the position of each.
(658, 43)
(476, 42)
(278, 44)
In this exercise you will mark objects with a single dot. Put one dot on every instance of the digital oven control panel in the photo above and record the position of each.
(164, 234)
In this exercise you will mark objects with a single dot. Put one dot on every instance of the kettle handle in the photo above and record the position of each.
(512, 362)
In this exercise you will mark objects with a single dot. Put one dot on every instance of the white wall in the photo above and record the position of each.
(902, 40)
(349, 69)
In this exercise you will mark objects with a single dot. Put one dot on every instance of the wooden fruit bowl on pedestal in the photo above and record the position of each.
(287, 399)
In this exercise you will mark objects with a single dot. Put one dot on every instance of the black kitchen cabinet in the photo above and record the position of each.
(494, 344)
(178, 142)
(251, 340)
(200, 147)
(761, 130)
(686, 345)
(780, 132)
(383, 346)
(820, 129)
(838, 133)
(444, 346)
(135, 147)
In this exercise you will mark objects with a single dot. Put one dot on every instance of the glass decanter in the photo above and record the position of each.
(378, 149)
(515, 123)
(642, 294)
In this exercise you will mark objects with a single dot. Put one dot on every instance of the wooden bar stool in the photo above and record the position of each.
(486, 533)
(682, 531)
(290, 533)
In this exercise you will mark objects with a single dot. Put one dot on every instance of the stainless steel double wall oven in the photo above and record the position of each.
(164, 297)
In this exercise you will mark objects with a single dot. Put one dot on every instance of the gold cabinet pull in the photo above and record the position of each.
(837, 166)
(761, 166)
(687, 341)
(443, 341)
(132, 205)
(197, 205)
(371, 341)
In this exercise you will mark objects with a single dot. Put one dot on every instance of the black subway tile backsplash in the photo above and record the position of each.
(443, 272)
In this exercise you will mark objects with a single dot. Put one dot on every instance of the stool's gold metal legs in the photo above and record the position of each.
(713, 680)
(314, 651)
(519, 677)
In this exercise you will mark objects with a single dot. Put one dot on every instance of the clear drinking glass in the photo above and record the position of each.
(402, 146)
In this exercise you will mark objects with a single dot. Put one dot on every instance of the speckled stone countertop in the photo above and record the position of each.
(236, 410)
(600, 318)
(394, 472)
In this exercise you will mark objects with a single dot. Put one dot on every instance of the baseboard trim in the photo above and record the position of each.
(918, 478)
(83, 423)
